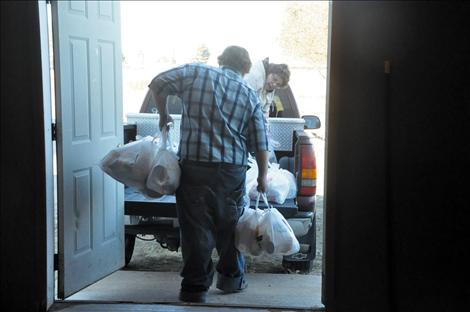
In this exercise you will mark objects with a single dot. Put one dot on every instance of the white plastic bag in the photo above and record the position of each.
(280, 185)
(164, 176)
(247, 231)
(130, 164)
(251, 175)
(292, 193)
(277, 236)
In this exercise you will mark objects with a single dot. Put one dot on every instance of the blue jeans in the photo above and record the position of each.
(209, 202)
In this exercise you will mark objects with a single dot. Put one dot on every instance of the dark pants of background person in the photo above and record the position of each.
(209, 203)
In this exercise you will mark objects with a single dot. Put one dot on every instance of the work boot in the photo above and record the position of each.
(193, 296)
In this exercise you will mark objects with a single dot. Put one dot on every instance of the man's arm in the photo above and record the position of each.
(258, 142)
(262, 161)
(161, 86)
(160, 102)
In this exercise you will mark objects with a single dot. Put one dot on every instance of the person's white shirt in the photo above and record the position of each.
(256, 79)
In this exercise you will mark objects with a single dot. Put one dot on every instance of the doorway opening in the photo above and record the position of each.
(154, 39)
(294, 33)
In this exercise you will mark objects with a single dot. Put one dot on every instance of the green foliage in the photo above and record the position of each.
(304, 31)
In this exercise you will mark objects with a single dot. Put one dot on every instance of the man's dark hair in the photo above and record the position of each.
(237, 58)
(282, 70)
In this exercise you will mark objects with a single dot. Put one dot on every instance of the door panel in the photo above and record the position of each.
(87, 58)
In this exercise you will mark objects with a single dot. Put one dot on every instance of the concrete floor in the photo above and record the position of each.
(128, 307)
(158, 291)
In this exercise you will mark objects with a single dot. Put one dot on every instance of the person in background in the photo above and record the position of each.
(222, 121)
(265, 78)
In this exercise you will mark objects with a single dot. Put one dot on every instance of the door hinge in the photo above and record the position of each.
(56, 262)
(54, 132)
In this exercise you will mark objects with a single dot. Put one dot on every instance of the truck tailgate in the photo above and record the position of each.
(135, 203)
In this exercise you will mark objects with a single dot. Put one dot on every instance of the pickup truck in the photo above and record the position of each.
(295, 152)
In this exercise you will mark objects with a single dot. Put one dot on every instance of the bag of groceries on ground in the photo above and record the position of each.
(164, 176)
(277, 236)
(130, 164)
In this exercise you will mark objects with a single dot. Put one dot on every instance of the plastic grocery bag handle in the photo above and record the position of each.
(257, 200)
(165, 138)
(265, 199)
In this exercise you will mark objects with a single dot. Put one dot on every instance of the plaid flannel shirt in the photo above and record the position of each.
(222, 119)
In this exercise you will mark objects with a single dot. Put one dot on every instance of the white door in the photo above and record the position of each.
(87, 58)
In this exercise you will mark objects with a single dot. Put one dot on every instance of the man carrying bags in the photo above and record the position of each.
(222, 121)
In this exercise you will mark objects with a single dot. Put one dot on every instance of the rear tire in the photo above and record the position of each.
(129, 243)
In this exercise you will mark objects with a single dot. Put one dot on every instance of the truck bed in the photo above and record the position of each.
(281, 128)
(135, 203)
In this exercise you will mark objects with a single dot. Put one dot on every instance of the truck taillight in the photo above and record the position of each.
(308, 171)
